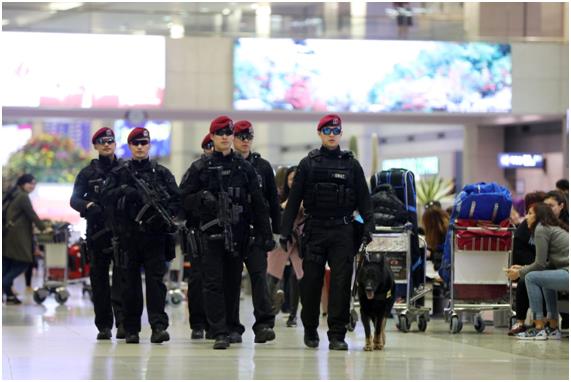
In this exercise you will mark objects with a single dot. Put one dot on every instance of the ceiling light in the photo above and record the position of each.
(226, 11)
(176, 30)
(64, 6)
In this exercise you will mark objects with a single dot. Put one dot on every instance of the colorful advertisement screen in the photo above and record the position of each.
(371, 76)
(160, 132)
(82, 70)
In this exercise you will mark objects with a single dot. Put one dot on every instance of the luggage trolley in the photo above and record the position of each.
(394, 244)
(55, 266)
(174, 277)
(479, 253)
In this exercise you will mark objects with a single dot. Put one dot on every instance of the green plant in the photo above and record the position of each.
(49, 158)
(374, 154)
(433, 188)
(354, 146)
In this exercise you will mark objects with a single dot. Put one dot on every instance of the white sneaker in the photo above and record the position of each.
(532, 334)
(553, 334)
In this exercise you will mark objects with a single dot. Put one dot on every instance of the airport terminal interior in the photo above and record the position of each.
(443, 104)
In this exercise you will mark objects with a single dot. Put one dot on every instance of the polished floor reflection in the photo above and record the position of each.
(54, 341)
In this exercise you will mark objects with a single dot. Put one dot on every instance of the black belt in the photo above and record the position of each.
(330, 222)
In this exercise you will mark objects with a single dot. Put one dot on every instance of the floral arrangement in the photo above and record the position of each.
(49, 158)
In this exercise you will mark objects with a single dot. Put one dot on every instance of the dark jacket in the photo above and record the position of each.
(301, 181)
(123, 199)
(88, 187)
(200, 178)
(524, 247)
(269, 189)
(17, 244)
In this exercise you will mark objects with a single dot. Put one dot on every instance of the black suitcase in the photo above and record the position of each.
(403, 183)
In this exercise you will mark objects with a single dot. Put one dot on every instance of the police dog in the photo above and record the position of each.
(376, 289)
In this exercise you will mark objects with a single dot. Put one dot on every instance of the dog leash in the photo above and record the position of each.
(360, 260)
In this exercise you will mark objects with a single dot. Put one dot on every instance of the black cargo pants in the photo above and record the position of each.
(332, 245)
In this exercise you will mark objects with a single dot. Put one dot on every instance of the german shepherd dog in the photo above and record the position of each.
(376, 289)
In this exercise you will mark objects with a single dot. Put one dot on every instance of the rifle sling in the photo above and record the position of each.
(210, 224)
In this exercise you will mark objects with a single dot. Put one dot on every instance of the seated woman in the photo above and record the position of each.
(435, 222)
(523, 254)
(548, 273)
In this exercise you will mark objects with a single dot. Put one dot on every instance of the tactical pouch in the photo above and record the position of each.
(326, 195)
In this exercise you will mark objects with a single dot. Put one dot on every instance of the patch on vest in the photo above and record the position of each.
(339, 175)
(226, 172)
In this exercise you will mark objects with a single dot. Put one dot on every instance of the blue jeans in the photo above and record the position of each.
(550, 281)
(10, 270)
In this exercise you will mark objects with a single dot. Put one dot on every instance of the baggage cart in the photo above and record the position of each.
(480, 252)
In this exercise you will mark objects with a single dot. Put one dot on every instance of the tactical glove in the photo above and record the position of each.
(93, 211)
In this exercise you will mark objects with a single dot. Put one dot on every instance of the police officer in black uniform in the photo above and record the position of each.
(139, 191)
(222, 193)
(256, 258)
(332, 186)
(196, 313)
(86, 199)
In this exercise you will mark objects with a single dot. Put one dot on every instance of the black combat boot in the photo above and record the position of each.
(264, 335)
(336, 344)
(104, 334)
(221, 343)
(120, 332)
(132, 338)
(159, 335)
(311, 338)
(197, 334)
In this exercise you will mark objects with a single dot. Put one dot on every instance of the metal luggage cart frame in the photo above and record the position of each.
(397, 240)
(54, 249)
(174, 287)
(451, 313)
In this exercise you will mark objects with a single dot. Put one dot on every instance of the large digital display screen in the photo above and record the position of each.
(160, 132)
(82, 70)
(371, 76)
(78, 131)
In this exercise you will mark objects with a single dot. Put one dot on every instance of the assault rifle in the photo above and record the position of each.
(151, 199)
(227, 214)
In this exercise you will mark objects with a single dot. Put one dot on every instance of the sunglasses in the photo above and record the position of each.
(104, 140)
(245, 136)
(142, 143)
(225, 131)
(329, 130)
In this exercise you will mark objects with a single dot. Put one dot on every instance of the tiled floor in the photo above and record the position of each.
(58, 342)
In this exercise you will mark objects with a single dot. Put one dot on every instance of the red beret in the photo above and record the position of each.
(241, 126)
(206, 140)
(329, 120)
(220, 123)
(138, 133)
(103, 132)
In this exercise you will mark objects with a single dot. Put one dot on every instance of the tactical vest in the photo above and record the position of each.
(329, 190)
(96, 180)
(234, 178)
